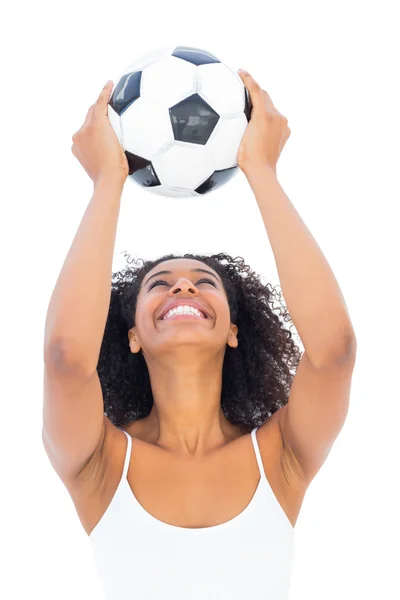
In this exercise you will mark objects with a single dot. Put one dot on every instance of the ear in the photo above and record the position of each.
(232, 338)
(134, 344)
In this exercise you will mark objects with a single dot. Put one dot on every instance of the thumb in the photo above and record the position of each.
(253, 88)
(104, 97)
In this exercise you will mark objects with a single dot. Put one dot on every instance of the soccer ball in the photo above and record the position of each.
(180, 114)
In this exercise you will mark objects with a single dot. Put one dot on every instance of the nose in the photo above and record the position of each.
(184, 285)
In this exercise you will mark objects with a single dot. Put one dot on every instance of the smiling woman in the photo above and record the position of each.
(256, 351)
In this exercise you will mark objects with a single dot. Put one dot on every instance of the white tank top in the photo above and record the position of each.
(248, 557)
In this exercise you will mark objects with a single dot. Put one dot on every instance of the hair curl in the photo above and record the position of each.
(257, 375)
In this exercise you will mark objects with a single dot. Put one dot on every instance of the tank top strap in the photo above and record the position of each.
(257, 452)
(128, 455)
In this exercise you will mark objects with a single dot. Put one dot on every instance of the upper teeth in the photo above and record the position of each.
(185, 309)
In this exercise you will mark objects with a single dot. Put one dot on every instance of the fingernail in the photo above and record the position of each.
(242, 70)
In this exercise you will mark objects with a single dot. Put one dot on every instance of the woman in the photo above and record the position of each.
(185, 440)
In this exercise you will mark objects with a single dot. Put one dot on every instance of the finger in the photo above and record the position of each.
(104, 97)
(253, 88)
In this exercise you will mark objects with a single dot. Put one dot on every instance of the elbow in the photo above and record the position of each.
(348, 352)
(61, 353)
(342, 354)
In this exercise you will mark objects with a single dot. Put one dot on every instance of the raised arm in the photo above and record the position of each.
(74, 424)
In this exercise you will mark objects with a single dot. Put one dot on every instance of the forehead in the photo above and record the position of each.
(181, 266)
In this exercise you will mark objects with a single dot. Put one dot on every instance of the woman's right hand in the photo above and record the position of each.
(96, 144)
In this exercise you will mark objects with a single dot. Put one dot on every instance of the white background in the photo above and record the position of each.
(331, 69)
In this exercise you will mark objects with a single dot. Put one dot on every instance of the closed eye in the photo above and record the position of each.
(157, 281)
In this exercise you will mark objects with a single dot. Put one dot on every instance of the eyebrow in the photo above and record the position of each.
(170, 273)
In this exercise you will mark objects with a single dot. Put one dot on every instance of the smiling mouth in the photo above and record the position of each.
(188, 316)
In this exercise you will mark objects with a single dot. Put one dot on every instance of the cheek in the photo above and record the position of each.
(223, 314)
(146, 309)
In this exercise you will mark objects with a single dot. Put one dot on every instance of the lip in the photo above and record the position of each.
(183, 302)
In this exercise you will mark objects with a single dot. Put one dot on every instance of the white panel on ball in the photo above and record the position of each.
(223, 145)
(184, 166)
(173, 192)
(219, 87)
(168, 81)
(146, 127)
(147, 59)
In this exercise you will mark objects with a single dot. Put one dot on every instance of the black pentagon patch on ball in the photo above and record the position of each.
(217, 179)
(141, 170)
(193, 120)
(195, 56)
(126, 92)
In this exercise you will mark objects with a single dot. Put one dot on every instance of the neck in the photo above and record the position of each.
(186, 416)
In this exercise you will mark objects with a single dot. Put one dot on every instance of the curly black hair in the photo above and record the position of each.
(257, 375)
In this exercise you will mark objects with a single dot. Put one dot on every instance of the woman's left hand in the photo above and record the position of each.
(267, 131)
